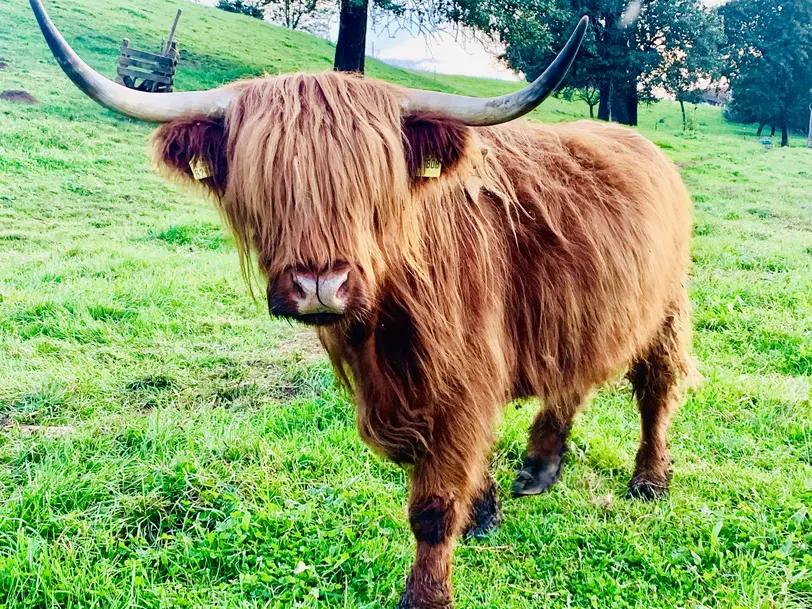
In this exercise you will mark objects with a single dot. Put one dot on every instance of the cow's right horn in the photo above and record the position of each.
(150, 107)
(481, 112)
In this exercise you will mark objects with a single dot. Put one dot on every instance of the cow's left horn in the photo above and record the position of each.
(151, 107)
(481, 112)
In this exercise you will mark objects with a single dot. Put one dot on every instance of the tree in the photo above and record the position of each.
(588, 93)
(664, 44)
(690, 53)
(754, 101)
(769, 58)
(627, 42)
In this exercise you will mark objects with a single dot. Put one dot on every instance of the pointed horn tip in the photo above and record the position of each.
(583, 24)
(580, 30)
(480, 112)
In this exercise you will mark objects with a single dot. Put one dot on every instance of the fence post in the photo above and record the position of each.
(124, 44)
(809, 141)
(168, 45)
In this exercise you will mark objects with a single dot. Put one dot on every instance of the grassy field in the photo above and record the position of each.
(163, 443)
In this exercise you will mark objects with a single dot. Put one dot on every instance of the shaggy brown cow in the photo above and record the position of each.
(541, 262)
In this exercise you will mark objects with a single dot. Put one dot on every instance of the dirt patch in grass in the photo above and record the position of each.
(155, 383)
(18, 96)
(300, 343)
(49, 431)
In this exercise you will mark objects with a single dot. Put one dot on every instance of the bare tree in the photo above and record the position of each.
(309, 15)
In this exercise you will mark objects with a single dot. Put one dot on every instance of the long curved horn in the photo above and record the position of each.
(481, 112)
(150, 107)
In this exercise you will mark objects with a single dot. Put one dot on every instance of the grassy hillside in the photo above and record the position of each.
(163, 443)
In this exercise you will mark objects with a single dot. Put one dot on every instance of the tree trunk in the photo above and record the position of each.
(772, 132)
(760, 129)
(624, 107)
(684, 118)
(618, 108)
(631, 107)
(592, 111)
(784, 131)
(352, 36)
(605, 89)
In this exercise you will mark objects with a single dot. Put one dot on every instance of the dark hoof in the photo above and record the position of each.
(486, 514)
(536, 476)
(646, 489)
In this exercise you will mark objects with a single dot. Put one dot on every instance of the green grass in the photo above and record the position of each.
(164, 443)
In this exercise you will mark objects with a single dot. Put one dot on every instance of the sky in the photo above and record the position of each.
(442, 52)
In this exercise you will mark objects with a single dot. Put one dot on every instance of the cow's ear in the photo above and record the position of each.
(433, 136)
(195, 150)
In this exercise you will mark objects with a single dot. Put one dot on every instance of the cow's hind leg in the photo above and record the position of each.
(656, 381)
(546, 447)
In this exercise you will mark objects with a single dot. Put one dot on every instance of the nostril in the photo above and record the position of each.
(343, 289)
(333, 287)
(305, 284)
(297, 288)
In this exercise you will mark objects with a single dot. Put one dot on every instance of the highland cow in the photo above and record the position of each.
(543, 260)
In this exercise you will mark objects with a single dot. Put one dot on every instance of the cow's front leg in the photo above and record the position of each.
(443, 488)
(486, 511)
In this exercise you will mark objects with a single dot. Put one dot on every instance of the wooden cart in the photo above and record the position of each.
(146, 71)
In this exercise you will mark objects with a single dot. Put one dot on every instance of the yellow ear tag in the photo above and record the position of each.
(200, 168)
(431, 168)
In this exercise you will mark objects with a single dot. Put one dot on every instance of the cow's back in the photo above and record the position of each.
(598, 248)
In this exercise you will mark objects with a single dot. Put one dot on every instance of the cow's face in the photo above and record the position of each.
(315, 173)
(317, 176)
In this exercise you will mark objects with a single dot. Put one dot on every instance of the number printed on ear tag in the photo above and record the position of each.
(200, 168)
(431, 168)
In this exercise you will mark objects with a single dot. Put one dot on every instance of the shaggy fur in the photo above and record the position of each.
(545, 260)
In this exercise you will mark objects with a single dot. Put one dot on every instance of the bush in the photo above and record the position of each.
(239, 6)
